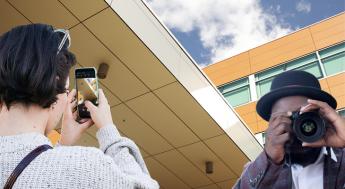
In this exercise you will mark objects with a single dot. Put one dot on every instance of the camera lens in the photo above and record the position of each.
(308, 127)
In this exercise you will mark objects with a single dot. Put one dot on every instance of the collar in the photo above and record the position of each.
(324, 153)
(23, 141)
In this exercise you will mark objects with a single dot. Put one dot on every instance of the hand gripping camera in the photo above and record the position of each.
(308, 127)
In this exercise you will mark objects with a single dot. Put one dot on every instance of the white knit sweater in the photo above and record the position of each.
(117, 164)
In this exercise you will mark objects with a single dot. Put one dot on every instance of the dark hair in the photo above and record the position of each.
(31, 71)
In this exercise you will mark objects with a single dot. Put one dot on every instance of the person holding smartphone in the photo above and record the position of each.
(34, 66)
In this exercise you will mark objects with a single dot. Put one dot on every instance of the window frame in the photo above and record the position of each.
(321, 58)
(253, 84)
(341, 110)
(263, 137)
(247, 84)
(285, 68)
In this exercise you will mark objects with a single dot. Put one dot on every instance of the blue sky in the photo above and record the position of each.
(212, 30)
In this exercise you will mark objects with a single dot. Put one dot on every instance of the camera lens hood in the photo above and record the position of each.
(308, 127)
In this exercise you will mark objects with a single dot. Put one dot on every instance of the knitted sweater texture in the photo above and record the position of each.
(116, 164)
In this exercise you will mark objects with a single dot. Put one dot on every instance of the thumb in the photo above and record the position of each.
(68, 111)
(85, 125)
(91, 107)
(318, 143)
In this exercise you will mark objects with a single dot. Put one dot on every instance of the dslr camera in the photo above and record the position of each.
(308, 126)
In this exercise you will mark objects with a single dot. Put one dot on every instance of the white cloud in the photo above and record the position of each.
(225, 27)
(303, 6)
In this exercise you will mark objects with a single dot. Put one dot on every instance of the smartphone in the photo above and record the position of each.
(87, 89)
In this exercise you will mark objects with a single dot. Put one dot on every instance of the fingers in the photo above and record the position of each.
(68, 111)
(75, 115)
(90, 106)
(282, 118)
(83, 120)
(71, 95)
(308, 108)
(318, 103)
(276, 115)
(318, 143)
(102, 99)
(324, 109)
(282, 128)
(283, 138)
(279, 130)
(86, 123)
(73, 105)
(315, 105)
(70, 107)
(335, 133)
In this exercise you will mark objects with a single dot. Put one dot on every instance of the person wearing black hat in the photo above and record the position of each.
(290, 160)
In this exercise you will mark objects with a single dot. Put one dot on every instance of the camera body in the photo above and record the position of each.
(308, 127)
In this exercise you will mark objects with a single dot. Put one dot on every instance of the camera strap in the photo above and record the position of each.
(287, 160)
(24, 163)
(287, 156)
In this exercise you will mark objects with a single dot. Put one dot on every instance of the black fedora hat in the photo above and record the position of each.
(292, 83)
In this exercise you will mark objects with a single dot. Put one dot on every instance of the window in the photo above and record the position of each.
(236, 93)
(264, 80)
(307, 63)
(342, 112)
(333, 59)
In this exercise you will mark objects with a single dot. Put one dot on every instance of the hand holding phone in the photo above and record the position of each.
(87, 89)
(101, 114)
(72, 130)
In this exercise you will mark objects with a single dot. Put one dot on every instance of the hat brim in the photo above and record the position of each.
(264, 105)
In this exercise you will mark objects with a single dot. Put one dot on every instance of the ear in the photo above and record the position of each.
(52, 106)
(2, 106)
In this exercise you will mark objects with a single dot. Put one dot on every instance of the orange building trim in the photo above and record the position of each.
(297, 44)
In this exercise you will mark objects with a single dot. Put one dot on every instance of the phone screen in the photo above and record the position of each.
(87, 89)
